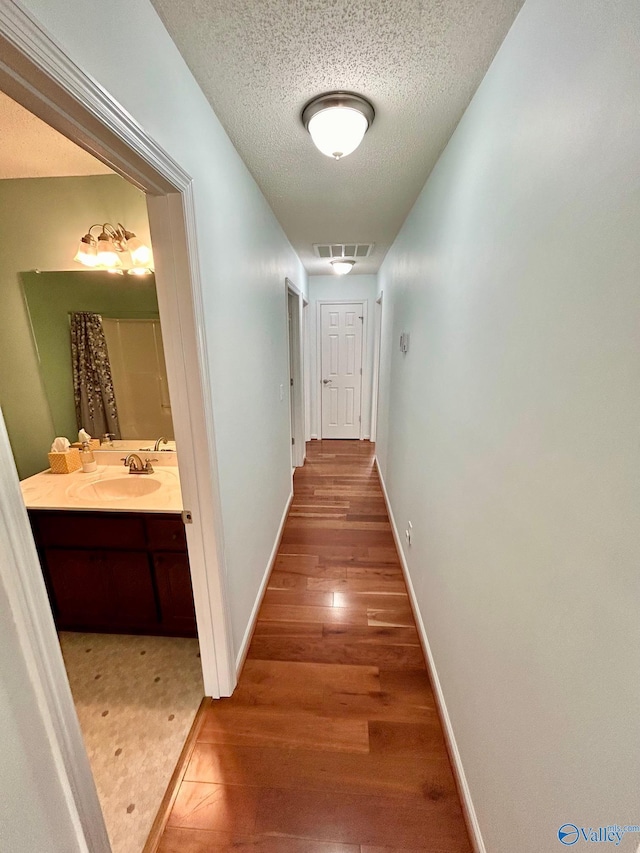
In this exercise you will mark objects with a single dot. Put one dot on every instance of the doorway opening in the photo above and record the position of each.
(111, 546)
(296, 337)
(39, 77)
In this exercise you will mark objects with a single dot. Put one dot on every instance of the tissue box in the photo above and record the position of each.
(65, 463)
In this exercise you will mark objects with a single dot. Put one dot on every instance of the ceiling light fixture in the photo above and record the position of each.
(337, 122)
(111, 248)
(341, 266)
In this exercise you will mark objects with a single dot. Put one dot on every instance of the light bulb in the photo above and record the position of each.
(337, 131)
(140, 254)
(107, 255)
(86, 253)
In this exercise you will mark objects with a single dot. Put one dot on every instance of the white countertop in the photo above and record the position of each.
(110, 489)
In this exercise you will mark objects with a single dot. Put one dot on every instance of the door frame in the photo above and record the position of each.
(375, 381)
(306, 360)
(365, 373)
(296, 361)
(37, 73)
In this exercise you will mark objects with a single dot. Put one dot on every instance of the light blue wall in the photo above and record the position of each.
(244, 257)
(509, 431)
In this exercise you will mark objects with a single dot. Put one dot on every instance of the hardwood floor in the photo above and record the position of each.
(331, 743)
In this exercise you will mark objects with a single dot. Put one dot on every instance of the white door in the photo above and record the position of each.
(341, 369)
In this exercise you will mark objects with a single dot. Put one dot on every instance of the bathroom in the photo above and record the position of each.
(135, 693)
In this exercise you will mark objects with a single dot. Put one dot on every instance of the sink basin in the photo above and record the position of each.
(118, 488)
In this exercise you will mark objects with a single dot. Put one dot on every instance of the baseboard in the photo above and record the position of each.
(164, 810)
(471, 819)
(248, 634)
(314, 436)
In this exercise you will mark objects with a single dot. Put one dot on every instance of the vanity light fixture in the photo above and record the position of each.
(113, 249)
(337, 122)
(342, 266)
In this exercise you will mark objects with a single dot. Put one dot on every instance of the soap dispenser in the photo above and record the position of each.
(87, 458)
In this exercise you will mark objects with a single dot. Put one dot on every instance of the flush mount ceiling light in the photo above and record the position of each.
(113, 249)
(337, 122)
(341, 266)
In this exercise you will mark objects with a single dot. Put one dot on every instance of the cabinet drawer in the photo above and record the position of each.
(166, 534)
(86, 530)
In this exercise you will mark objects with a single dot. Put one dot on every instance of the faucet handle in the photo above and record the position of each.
(148, 467)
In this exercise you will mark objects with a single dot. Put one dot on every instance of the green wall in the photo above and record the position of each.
(51, 297)
(41, 222)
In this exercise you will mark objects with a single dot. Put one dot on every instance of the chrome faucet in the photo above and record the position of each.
(159, 441)
(135, 464)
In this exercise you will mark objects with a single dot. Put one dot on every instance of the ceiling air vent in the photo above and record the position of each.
(342, 250)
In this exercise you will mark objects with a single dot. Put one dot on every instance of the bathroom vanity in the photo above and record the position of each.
(116, 572)
(113, 550)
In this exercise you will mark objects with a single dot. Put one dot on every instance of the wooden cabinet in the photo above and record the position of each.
(116, 572)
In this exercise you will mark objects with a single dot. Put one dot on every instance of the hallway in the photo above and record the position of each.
(331, 742)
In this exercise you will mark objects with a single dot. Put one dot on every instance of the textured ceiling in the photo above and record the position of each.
(29, 148)
(418, 61)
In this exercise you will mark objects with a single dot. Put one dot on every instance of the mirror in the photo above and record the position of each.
(114, 323)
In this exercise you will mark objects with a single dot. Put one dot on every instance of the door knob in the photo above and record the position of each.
(326, 381)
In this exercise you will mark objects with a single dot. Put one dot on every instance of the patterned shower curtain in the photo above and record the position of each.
(96, 409)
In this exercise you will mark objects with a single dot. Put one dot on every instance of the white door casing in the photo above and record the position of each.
(297, 387)
(341, 326)
(306, 373)
(375, 385)
(292, 401)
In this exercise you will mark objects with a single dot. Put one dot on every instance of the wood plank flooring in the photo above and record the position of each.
(331, 742)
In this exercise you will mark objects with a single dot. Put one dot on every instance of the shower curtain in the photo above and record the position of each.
(96, 409)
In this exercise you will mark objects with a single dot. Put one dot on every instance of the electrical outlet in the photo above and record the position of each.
(281, 393)
(409, 533)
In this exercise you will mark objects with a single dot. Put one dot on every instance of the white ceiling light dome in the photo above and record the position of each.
(337, 122)
(342, 266)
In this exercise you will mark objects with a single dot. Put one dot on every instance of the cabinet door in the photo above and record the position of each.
(102, 590)
(133, 602)
(80, 588)
(176, 596)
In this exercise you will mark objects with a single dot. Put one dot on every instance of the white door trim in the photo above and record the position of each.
(22, 583)
(37, 73)
(375, 382)
(318, 379)
(173, 234)
(297, 357)
(306, 359)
